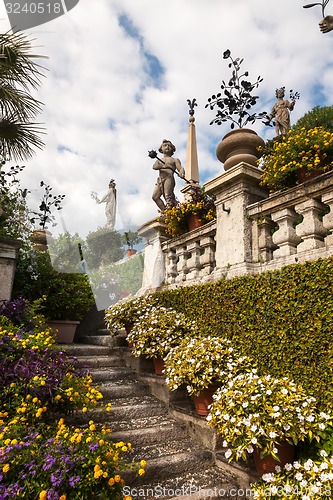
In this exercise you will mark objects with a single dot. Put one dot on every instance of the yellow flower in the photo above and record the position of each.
(43, 495)
(117, 478)
(111, 481)
(5, 468)
(141, 472)
(63, 497)
(143, 463)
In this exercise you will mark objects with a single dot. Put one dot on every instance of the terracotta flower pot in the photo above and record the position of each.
(193, 222)
(286, 454)
(130, 252)
(158, 366)
(304, 175)
(239, 145)
(64, 330)
(204, 399)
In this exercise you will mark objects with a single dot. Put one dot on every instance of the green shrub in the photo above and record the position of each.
(282, 319)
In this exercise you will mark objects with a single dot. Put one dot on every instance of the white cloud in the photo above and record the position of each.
(104, 111)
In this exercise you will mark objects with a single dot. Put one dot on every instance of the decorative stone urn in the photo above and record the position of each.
(40, 238)
(239, 145)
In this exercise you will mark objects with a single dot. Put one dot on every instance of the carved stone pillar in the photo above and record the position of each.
(285, 237)
(265, 240)
(207, 254)
(328, 218)
(8, 254)
(235, 190)
(311, 230)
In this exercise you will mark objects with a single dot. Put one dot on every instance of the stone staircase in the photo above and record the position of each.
(179, 448)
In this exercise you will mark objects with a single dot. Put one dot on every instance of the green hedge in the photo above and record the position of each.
(283, 319)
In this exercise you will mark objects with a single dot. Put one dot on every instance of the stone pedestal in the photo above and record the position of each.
(8, 255)
(154, 265)
(234, 191)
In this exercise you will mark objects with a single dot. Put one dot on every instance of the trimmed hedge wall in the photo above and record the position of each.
(282, 319)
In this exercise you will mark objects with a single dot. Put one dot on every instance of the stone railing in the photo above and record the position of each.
(295, 225)
(253, 232)
(190, 256)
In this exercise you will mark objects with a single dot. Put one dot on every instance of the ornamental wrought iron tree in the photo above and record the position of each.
(235, 102)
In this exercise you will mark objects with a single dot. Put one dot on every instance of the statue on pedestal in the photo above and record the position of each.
(110, 199)
(281, 111)
(167, 168)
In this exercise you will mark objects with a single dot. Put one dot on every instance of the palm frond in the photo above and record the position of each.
(19, 139)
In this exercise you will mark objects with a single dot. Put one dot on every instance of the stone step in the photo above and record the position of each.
(209, 484)
(102, 339)
(118, 389)
(167, 430)
(171, 466)
(99, 361)
(108, 373)
(87, 350)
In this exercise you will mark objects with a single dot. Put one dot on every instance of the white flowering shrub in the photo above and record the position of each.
(126, 312)
(199, 362)
(252, 411)
(159, 329)
(308, 480)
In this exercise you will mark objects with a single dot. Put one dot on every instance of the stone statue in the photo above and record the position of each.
(166, 182)
(111, 201)
(281, 113)
(326, 24)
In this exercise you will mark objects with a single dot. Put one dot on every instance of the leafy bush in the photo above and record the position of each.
(66, 296)
(317, 117)
(199, 362)
(308, 479)
(176, 216)
(262, 411)
(40, 456)
(281, 319)
(159, 329)
(301, 149)
(128, 310)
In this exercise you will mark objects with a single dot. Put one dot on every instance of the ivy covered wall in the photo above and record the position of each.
(283, 319)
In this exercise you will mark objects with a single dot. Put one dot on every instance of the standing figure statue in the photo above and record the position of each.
(281, 113)
(166, 182)
(110, 198)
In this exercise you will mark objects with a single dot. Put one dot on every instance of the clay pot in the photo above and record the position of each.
(204, 399)
(286, 454)
(193, 222)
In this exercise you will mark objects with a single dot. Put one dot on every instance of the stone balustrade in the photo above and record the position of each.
(293, 225)
(190, 257)
(254, 231)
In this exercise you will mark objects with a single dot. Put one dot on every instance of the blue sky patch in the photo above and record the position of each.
(152, 65)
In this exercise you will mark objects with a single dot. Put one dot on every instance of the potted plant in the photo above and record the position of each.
(158, 330)
(66, 296)
(296, 157)
(302, 479)
(130, 239)
(127, 311)
(234, 103)
(260, 414)
(203, 364)
(44, 216)
(188, 215)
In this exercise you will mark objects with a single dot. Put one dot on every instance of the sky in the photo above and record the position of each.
(119, 73)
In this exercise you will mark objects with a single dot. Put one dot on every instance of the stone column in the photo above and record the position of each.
(8, 255)
(154, 264)
(234, 191)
